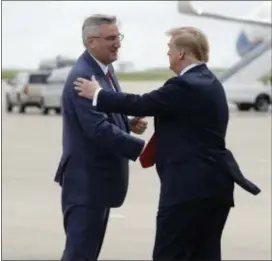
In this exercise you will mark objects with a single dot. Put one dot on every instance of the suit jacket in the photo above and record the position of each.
(191, 118)
(93, 168)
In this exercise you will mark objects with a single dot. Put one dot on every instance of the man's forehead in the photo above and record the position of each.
(108, 28)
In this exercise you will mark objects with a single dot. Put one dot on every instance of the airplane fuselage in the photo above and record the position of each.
(252, 36)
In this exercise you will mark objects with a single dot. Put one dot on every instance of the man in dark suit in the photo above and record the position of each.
(196, 171)
(93, 170)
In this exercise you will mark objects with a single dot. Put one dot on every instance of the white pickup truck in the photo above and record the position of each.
(247, 96)
(25, 90)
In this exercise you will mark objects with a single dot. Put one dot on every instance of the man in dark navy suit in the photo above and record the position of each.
(93, 170)
(196, 171)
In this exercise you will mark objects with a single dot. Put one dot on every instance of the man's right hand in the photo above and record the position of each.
(86, 88)
(138, 125)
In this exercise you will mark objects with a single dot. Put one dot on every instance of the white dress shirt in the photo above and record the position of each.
(105, 69)
(188, 68)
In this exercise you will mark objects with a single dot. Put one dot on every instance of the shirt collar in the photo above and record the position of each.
(188, 68)
(103, 67)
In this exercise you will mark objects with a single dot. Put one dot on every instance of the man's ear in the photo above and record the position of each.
(90, 41)
(181, 54)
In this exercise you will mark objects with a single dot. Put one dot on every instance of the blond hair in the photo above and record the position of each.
(192, 40)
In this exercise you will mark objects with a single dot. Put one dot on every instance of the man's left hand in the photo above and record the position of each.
(138, 125)
(86, 88)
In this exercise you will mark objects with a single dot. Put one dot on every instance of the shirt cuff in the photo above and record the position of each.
(95, 97)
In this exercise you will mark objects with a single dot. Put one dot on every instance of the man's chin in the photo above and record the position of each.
(114, 57)
(172, 69)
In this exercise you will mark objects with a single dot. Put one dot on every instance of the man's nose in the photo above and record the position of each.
(117, 44)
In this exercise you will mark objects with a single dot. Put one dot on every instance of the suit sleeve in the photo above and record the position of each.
(97, 128)
(166, 100)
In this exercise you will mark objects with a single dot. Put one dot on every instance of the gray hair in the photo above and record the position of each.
(91, 24)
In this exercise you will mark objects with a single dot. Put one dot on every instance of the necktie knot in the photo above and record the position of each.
(108, 77)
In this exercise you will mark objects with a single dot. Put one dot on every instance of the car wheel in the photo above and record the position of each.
(44, 109)
(57, 110)
(244, 106)
(22, 108)
(262, 104)
(8, 104)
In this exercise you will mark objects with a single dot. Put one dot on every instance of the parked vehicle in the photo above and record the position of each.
(52, 91)
(245, 96)
(24, 90)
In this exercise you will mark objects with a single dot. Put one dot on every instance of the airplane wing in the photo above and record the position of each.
(186, 7)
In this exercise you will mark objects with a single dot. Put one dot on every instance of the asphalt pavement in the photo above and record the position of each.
(31, 215)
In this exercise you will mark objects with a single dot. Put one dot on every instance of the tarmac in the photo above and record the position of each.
(31, 215)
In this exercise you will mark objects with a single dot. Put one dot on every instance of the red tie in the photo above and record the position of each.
(108, 77)
(147, 158)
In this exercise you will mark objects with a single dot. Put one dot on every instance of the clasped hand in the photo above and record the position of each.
(138, 125)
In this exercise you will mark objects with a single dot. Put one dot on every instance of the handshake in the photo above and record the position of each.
(138, 125)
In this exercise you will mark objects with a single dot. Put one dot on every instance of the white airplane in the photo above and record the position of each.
(256, 30)
(57, 62)
(254, 47)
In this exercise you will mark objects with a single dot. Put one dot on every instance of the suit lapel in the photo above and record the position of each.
(99, 74)
(114, 79)
(104, 83)
(93, 64)
(118, 89)
(101, 78)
